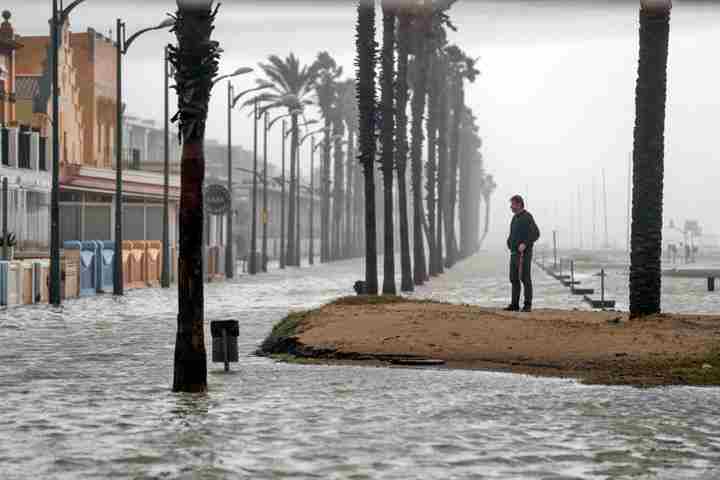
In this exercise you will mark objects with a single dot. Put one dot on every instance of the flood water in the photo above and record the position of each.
(85, 393)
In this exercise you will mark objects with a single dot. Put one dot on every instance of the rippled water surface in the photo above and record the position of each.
(85, 393)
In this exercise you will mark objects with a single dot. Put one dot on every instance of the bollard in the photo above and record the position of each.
(711, 284)
(224, 341)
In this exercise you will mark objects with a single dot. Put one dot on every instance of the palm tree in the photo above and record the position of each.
(290, 86)
(195, 60)
(421, 27)
(326, 91)
(387, 81)
(435, 267)
(401, 154)
(443, 117)
(350, 113)
(648, 158)
(367, 105)
(470, 179)
(460, 67)
(339, 115)
(488, 188)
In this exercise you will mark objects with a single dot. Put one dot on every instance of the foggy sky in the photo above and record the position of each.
(555, 100)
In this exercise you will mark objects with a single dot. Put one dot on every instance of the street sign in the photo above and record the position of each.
(217, 199)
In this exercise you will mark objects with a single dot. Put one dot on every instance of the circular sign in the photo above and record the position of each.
(217, 199)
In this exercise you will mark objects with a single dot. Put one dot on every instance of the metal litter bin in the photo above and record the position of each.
(225, 341)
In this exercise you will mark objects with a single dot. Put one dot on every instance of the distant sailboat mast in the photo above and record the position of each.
(594, 213)
(607, 241)
(580, 219)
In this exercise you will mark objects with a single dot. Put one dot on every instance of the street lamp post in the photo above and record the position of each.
(59, 17)
(311, 259)
(283, 135)
(123, 44)
(265, 197)
(232, 101)
(282, 201)
(165, 276)
(253, 234)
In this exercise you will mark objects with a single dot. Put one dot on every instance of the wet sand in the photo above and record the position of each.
(594, 347)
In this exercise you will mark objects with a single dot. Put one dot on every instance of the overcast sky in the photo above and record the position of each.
(555, 101)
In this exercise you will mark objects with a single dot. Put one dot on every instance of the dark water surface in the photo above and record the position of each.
(85, 393)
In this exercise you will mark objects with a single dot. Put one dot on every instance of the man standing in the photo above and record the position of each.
(523, 234)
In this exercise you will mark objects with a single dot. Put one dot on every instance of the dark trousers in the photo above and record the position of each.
(526, 279)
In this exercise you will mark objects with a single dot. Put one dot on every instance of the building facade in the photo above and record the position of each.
(88, 104)
(23, 154)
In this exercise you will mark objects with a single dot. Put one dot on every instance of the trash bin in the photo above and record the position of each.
(225, 341)
(15, 284)
(71, 268)
(153, 263)
(127, 264)
(105, 266)
(4, 283)
(88, 268)
(137, 264)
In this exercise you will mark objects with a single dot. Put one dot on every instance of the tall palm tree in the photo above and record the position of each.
(431, 177)
(326, 91)
(648, 158)
(195, 59)
(460, 68)
(350, 113)
(421, 29)
(291, 87)
(488, 188)
(387, 81)
(470, 179)
(401, 154)
(367, 105)
(443, 117)
(339, 116)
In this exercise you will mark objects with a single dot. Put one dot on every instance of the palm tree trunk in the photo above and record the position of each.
(387, 80)
(196, 63)
(337, 206)
(349, 193)
(443, 160)
(486, 199)
(648, 159)
(418, 110)
(431, 169)
(401, 99)
(291, 255)
(366, 61)
(325, 189)
(458, 106)
(359, 235)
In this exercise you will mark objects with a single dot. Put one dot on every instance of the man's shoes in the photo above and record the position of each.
(512, 308)
(527, 308)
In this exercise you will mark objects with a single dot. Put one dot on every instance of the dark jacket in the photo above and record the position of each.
(523, 229)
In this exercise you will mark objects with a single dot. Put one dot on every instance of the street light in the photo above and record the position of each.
(232, 100)
(59, 17)
(123, 44)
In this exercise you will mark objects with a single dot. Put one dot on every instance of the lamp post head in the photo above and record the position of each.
(167, 23)
(242, 71)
